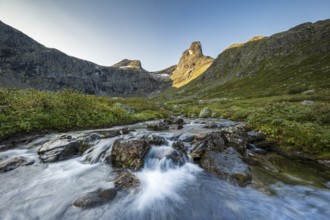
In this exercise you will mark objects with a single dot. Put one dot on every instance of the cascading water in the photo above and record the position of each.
(171, 187)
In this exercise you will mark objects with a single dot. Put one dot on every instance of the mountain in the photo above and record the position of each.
(129, 64)
(191, 65)
(291, 62)
(24, 63)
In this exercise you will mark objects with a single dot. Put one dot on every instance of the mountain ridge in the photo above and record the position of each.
(262, 66)
(25, 63)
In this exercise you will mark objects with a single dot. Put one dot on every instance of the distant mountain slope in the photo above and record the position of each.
(25, 63)
(191, 65)
(294, 61)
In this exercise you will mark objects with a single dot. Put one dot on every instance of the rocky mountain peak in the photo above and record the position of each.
(192, 64)
(195, 49)
(126, 63)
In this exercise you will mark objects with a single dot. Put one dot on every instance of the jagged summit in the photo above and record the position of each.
(195, 49)
(126, 63)
(191, 65)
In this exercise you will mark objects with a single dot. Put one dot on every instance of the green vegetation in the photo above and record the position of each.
(287, 120)
(30, 110)
(269, 98)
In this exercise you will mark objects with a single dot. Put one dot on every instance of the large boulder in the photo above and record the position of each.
(65, 147)
(178, 121)
(158, 126)
(236, 136)
(96, 198)
(156, 140)
(126, 180)
(14, 162)
(203, 142)
(228, 165)
(128, 153)
(59, 149)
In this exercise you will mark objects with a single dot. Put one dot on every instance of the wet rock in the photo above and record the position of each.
(58, 149)
(128, 153)
(14, 162)
(260, 160)
(205, 112)
(156, 140)
(179, 127)
(264, 145)
(65, 147)
(178, 121)
(114, 133)
(227, 164)
(179, 146)
(254, 136)
(187, 138)
(96, 198)
(126, 180)
(253, 148)
(212, 141)
(223, 124)
(158, 126)
(175, 157)
(236, 137)
(87, 142)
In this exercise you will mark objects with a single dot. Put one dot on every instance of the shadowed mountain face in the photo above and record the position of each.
(290, 62)
(24, 63)
(191, 65)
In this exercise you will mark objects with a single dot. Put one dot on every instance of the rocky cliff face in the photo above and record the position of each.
(294, 60)
(191, 65)
(25, 63)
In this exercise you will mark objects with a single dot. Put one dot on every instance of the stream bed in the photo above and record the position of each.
(297, 190)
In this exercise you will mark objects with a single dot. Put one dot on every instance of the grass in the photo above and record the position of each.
(284, 119)
(26, 111)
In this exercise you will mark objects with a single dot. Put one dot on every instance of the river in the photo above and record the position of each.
(47, 190)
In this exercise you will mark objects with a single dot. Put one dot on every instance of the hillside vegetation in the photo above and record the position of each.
(26, 111)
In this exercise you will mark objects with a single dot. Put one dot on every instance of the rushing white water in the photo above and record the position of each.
(168, 189)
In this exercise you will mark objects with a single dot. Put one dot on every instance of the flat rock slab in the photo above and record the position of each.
(59, 149)
(14, 162)
(228, 165)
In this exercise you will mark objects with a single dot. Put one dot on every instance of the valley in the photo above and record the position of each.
(144, 143)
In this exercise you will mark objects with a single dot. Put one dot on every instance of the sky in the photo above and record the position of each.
(153, 31)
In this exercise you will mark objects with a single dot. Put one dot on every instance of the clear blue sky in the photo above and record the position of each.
(153, 31)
